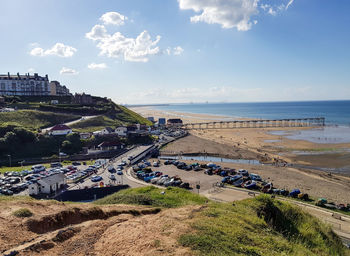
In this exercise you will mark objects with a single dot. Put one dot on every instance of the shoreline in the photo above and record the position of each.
(242, 143)
(260, 141)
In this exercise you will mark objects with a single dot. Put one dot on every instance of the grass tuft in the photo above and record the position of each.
(22, 213)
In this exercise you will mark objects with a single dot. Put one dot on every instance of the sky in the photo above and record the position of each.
(179, 51)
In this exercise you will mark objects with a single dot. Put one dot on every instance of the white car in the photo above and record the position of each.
(38, 168)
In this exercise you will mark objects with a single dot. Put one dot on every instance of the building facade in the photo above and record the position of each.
(82, 99)
(60, 129)
(48, 185)
(56, 89)
(24, 85)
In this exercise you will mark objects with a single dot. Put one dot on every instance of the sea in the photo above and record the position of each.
(336, 113)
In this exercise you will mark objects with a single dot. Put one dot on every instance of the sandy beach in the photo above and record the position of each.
(259, 144)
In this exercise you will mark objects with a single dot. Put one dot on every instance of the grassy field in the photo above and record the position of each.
(256, 226)
(34, 119)
(172, 197)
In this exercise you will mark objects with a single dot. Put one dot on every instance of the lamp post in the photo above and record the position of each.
(9, 159)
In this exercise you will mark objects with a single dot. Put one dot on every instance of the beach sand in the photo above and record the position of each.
(257, 143)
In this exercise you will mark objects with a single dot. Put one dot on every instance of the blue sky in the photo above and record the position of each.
(160, 51)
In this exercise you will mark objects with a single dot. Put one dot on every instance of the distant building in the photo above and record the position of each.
(48, 185)
(121, 131)
(56, 89)
(82, 99)
(150, 118)
(2, 100)
(110, 145)
(24, 85)
(85, 135)
(60, 129)
(174, 122)
(161, 121)
(54, 102)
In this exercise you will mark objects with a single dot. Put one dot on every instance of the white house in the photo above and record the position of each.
(107, 130)
(60, 129)
(48, 185)
(121, 131)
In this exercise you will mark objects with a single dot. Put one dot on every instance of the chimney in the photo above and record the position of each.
(8, 75)
(18, 75)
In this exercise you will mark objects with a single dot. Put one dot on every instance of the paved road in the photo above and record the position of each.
(72, 122)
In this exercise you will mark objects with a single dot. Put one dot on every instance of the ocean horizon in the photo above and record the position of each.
(336, 112)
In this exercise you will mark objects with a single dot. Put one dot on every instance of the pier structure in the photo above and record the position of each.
(258, 123)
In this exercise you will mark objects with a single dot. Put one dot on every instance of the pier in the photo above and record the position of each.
(258, 123)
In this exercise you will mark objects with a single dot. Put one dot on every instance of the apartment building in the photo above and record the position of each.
(24, 85)
(56, 89)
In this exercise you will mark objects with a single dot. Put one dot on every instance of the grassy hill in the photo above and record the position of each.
(257, 226)
(33, 119)
(38, 112)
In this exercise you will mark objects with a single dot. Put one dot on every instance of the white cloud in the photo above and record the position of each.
(223, 93)
(98, 32)
(178, 50)
(68, 71)
(272, 11)
(31, 70)
(97, 66)
(113, 18)
(227, 13)
(289, 4)
(59, 49)
(137, 49)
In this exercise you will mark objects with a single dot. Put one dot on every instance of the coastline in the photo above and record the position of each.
(258, 143)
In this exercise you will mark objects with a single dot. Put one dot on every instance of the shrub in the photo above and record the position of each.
(22, 213)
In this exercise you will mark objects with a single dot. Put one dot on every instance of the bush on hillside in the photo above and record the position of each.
(22, 213)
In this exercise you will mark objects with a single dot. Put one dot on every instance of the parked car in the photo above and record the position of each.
(254, 176)
(76, 163)
(120, 172)
(38, 168)
(96, 178)
(53, 165)
(112, 177)
(111, 169)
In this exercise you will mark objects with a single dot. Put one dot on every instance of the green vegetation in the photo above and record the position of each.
(19, 168)
(129, 116)
(152, 196)
(22, 213)
(33, 119)
(260, 226)
(22, 143)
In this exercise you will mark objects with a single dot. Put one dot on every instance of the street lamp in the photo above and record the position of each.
(9, 159)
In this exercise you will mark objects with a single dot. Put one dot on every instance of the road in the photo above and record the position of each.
(71, 122)
(120, 179)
